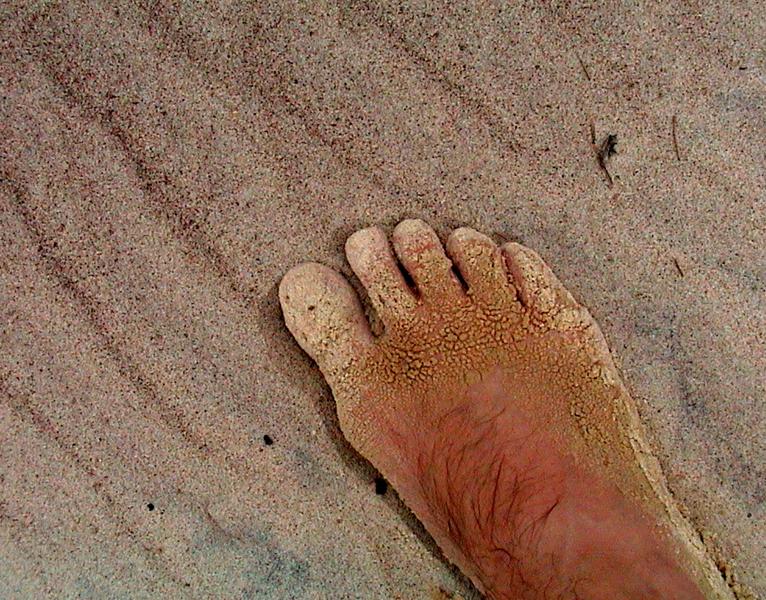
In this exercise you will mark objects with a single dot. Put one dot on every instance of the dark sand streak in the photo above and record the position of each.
(23, 409)
(58, 270)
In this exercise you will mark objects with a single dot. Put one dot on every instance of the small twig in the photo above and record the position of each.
(592, 133)
(604, 152)
(582, 64)
(678, 266)
(674, 122)
(607, 173)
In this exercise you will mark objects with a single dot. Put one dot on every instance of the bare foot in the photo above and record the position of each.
(498, 415)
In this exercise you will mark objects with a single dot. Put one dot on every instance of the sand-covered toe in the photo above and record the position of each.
(480, 264)
(421, 253)
(539, 290)
(372, 260)
(323, 312)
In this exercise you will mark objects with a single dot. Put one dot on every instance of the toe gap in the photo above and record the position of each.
(513, 280)
(459, 277)
(408, 278)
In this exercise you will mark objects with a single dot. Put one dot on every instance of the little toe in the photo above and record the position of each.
(422, 255)
(480, 263)
(539, 289)
(324, 315)
(369, 255)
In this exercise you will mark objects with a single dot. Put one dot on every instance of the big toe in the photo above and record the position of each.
(323, 313)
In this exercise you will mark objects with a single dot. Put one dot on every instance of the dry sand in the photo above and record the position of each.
(163, 164)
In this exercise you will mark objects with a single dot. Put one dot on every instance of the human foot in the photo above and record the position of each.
(498, 415)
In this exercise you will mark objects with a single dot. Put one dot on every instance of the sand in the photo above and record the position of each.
(161, 166)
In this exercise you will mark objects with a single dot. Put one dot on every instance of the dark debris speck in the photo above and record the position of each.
(381, 486)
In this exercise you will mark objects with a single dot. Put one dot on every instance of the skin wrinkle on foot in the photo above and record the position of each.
(515, 329)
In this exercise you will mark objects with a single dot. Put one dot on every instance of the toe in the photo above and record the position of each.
(539, 289)
(324, 315)
(369, 255)
(420, 252)
(480, 263)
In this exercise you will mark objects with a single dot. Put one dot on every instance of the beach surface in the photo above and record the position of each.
(162, 164)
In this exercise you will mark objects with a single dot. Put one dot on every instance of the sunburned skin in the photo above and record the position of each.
(491, 403)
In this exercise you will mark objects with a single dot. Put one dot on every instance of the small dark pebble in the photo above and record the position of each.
(267, 440)
(150, 506)
(381, 485)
